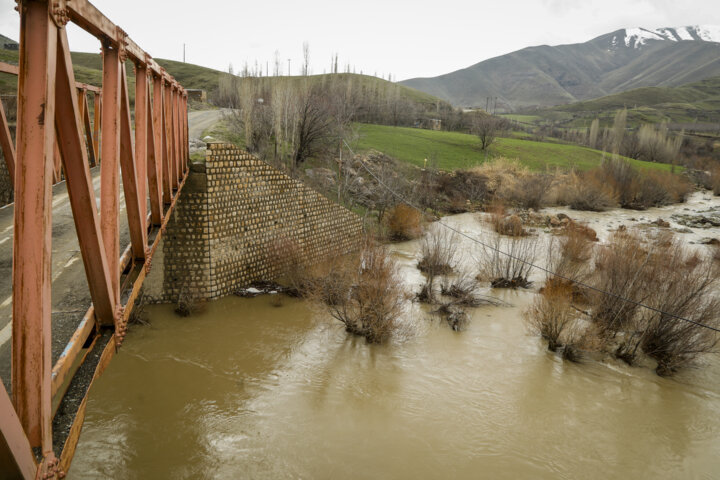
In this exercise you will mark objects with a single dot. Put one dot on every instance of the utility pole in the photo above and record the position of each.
(183, 53)
(288, 67)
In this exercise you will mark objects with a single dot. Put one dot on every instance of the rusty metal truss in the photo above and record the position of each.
(56, 140)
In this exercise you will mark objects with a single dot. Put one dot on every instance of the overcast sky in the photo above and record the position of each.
(399, 37)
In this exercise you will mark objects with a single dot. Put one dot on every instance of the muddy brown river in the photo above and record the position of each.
(249, 389)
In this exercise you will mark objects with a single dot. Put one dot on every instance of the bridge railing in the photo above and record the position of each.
(90, 126)
(153, 169)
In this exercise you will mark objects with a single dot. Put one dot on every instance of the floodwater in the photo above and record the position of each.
(249, 389)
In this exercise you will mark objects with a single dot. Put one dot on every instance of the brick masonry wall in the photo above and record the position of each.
(229, 217)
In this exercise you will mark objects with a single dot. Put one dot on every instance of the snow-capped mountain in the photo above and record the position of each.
(637, 37)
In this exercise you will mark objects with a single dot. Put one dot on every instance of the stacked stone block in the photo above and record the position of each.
(229, 218)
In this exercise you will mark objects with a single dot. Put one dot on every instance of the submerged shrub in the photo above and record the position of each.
(403, 223)
(552, 317)
(504, 224)
(189, 302)
(569, 257)
(677, 283)
(506, 261)
(619, 270)
(370, 295)
(438, 251)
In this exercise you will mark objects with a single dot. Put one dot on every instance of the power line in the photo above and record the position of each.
(530, 264)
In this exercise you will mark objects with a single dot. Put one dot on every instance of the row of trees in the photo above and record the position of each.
(288, 120)
(650, 142)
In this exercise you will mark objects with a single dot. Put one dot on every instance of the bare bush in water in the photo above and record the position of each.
(370, 296)
(189, 302)
(569, 257)
(505, 224)
(683, 285)
(552, 317)
(677, 284)
(619, 270)
(438, 251)
(285, 257)
(404, 223)
(505, 261)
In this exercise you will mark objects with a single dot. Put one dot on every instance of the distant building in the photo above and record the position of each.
(12, 46)
(197, 95)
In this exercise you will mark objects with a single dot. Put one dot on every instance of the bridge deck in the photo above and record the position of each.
(70, 292)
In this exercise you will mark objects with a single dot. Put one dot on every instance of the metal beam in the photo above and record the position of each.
(31, 308)
(154, 172)
(80, 188)
(16, 457)
(6, 143)
(141, 138)
(136, 223)
(109, 164)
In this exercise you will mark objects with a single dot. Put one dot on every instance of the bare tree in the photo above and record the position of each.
(315, 126)
(487, 128)
(306, 59)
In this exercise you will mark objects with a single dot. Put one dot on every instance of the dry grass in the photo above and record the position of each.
(500, 172)
(404, 223)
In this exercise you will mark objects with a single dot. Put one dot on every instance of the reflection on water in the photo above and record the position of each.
(250, 390)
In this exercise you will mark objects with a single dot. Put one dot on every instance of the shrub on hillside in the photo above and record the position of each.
(403, 223)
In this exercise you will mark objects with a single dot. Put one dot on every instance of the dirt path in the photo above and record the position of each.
(202, 120)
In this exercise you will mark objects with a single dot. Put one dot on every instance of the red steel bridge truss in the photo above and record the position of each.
(57, 140)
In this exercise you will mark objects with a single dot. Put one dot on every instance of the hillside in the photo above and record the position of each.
(554, 75)
(4, 40)
(88, 69)
(452, 150)
(695, 104)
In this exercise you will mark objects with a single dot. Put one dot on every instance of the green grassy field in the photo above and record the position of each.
(452, 150)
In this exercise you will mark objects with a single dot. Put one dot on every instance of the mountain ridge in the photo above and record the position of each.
(555, 75)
